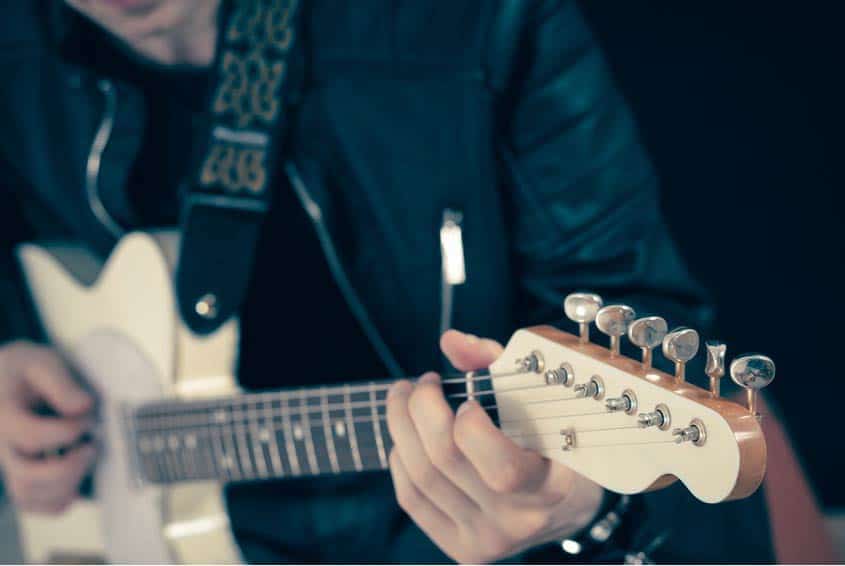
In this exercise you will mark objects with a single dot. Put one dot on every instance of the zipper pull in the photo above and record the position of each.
(452, 248)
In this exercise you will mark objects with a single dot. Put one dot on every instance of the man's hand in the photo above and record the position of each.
(32, 376)
(166, 32)
(473, 491)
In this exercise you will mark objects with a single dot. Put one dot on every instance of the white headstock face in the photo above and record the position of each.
(622, 423)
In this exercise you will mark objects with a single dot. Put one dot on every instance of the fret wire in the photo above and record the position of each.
(350, 425)
(288, 431)
(327, 432)
(257, 446)
(309, 439)
(273, 445)
(242, 447)
(377, 432)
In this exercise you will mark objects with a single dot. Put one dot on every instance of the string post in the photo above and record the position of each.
(592, 389)
(695, 433)
(659, 417)
(563, 375)
(532, 363)
(627, 402)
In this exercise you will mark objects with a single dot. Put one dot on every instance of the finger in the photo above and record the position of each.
(48, 377)
(468, 352)
(31, 434)
(504, 466)
(425, 476)
(434, 421)
(44, 484)
(431, 520)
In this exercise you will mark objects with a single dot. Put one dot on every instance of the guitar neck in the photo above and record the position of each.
(272, 435)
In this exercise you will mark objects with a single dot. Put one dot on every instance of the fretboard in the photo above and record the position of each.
(280, 434)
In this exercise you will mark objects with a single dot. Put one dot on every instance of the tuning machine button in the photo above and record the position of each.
(752, 372)
(647, 334)
(715, 367)
(680, 346)
(613, 320)
(582, 308)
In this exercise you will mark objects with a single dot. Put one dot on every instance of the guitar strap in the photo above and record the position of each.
(227, 198)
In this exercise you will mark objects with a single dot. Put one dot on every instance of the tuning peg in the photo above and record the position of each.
(680, 346)
(715, 367)
(613, 320)
(582, 308)
(752, 372)
(647, 333)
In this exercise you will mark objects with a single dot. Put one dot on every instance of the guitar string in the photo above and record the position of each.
(174, 474)
(245, 405)
(377, 386)
(142, 422)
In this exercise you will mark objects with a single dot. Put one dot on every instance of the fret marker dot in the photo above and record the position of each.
(340, 428)
(173, 442)
(190, 442)
(298, 432)
(264, 435)
(227, 462)
(220, 416)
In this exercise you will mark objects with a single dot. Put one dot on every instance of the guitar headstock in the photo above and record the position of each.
(620, 421)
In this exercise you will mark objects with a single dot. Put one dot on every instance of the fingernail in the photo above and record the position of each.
(464, 407)
(396, 388)
(472, 339)
(429, 377)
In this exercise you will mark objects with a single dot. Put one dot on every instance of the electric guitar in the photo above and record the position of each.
(174, 427)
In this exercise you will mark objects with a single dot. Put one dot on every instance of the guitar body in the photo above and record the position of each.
(118, 325)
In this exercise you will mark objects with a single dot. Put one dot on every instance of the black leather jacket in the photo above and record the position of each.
(501, 110)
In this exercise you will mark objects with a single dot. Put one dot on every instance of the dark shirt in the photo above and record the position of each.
(296, 328)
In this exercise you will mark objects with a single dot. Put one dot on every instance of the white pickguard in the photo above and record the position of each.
(130, 515)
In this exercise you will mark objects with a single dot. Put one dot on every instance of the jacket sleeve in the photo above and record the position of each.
(586, 216)
(583, 191)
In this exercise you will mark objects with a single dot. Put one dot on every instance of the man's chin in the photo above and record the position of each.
(132, 5)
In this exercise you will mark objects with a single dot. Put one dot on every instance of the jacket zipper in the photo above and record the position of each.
(315, 213)
(453, 264)
(95, 160)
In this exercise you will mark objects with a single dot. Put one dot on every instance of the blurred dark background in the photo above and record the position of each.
(741, 106)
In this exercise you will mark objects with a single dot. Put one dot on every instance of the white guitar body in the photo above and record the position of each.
(124, 334)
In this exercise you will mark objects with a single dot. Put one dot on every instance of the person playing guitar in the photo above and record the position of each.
(437, 158)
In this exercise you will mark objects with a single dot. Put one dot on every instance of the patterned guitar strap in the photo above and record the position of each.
(227, 199)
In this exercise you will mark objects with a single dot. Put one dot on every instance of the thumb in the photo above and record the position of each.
(468, 352)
